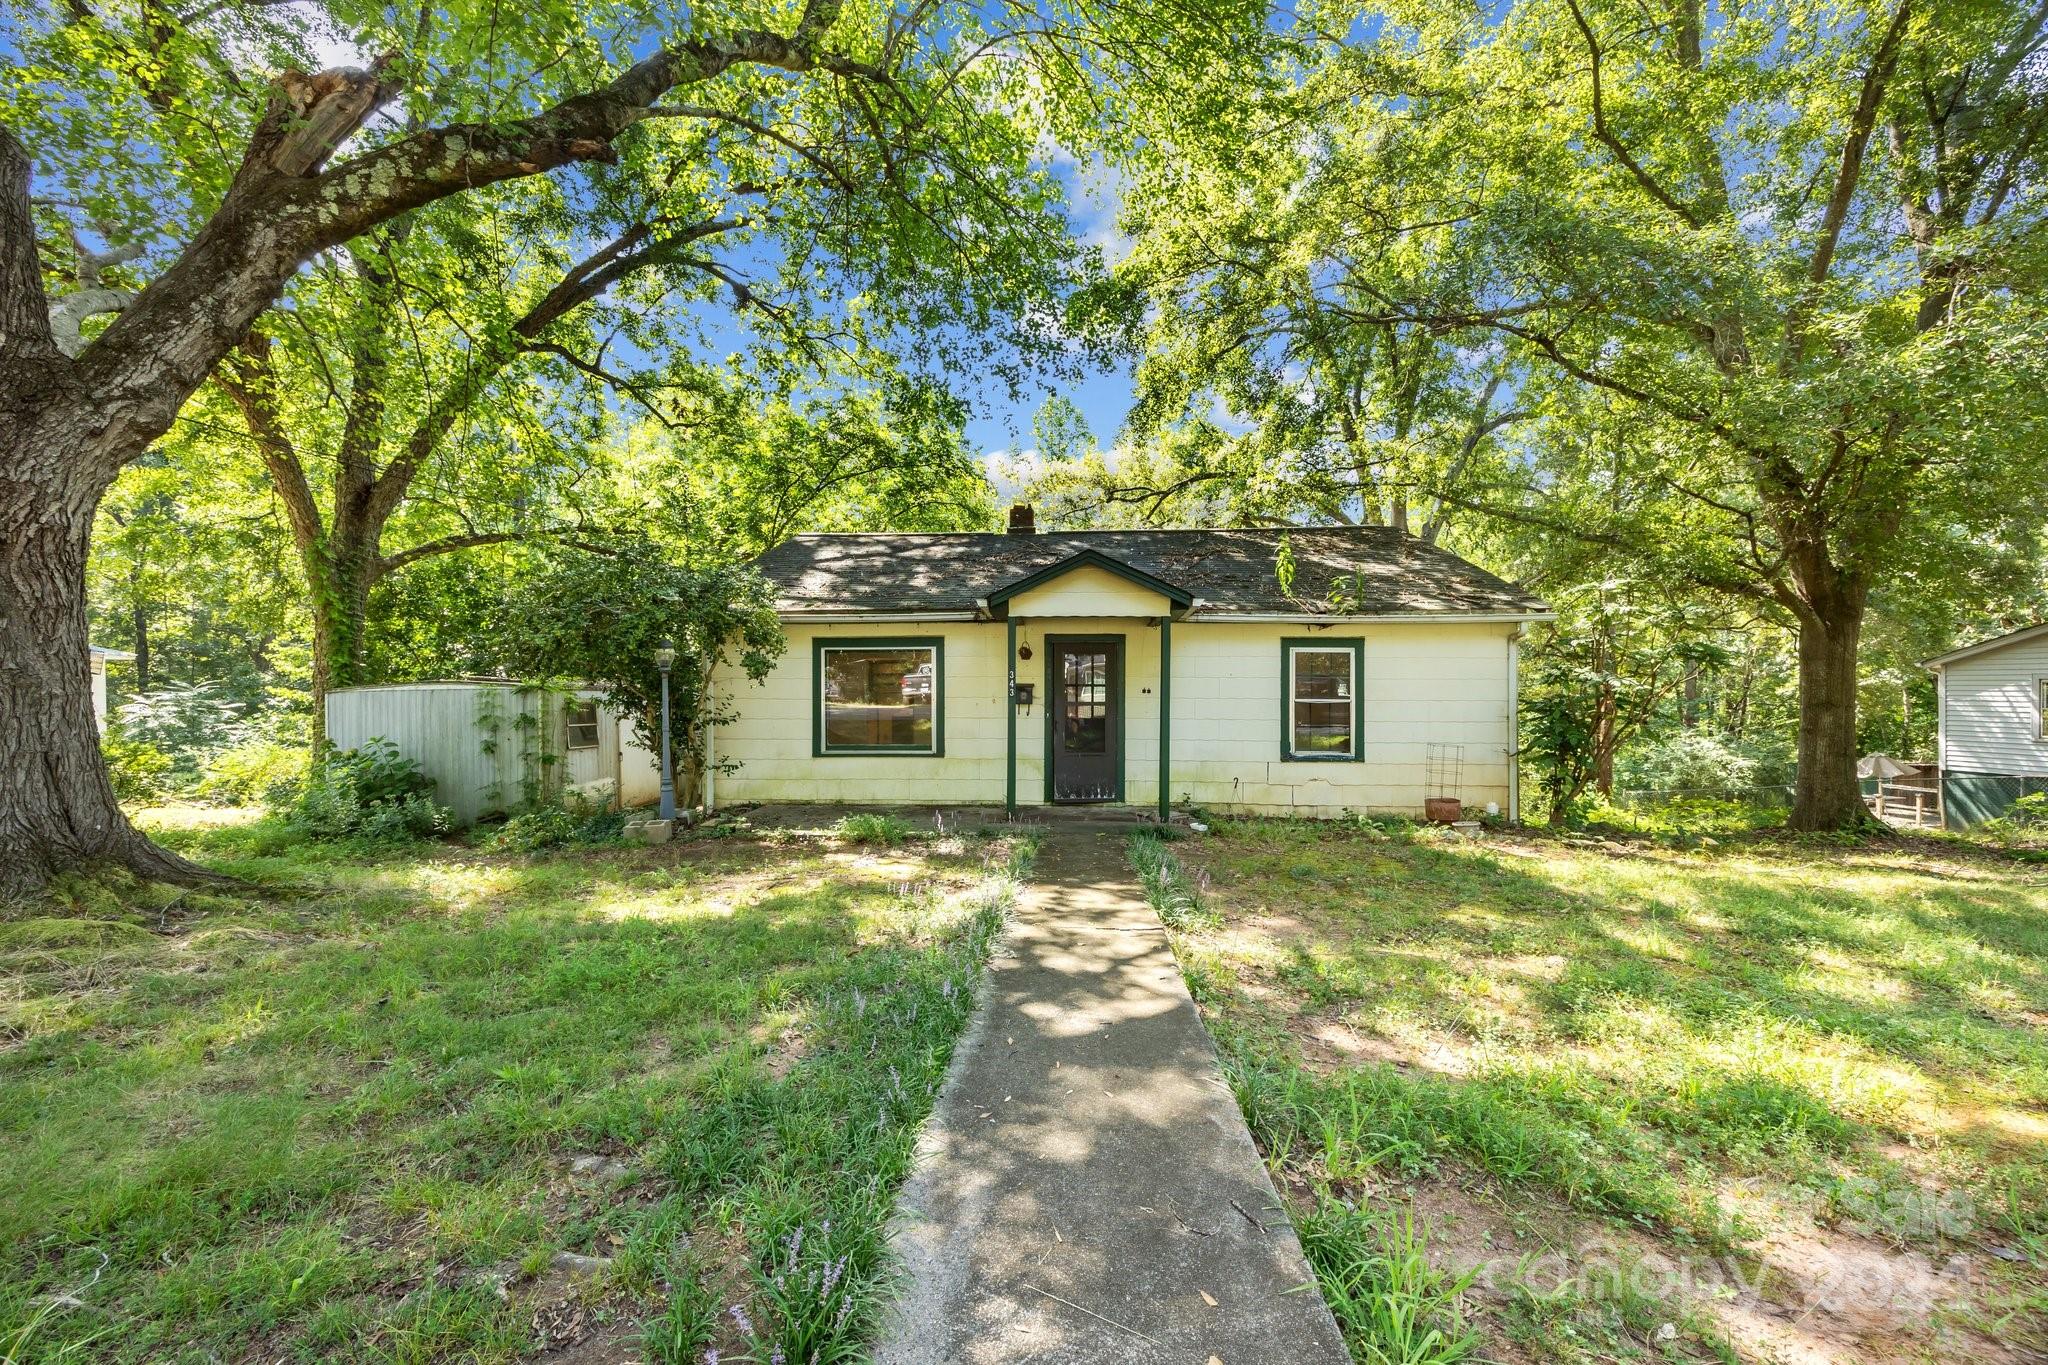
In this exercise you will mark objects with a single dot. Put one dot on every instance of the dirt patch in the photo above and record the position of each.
(1330, 1044)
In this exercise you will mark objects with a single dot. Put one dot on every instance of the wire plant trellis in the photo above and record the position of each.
(1443, 770)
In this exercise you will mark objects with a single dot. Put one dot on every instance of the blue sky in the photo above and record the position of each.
(1001, 424)
(1094, 197)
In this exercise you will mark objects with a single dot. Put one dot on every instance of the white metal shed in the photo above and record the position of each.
(487, 742)
(1994, 723)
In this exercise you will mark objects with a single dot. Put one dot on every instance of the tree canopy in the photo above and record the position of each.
(1753, 299)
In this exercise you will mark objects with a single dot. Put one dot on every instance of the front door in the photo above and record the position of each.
(1086, 689)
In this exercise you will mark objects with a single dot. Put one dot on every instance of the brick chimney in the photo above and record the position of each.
(1023, 521)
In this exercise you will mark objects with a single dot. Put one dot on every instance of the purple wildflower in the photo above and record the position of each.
(740, 1318)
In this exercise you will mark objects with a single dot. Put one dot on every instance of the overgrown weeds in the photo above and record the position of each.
(341, 1122)
(1801, 1060)
(1394, 1305)
(872, 827)
(1174, 896)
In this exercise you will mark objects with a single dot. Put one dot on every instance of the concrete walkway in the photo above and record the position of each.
(1086, 1191)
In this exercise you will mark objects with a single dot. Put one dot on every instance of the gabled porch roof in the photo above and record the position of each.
(1088, 558)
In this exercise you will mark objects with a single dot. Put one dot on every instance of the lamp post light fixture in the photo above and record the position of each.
(665, 659)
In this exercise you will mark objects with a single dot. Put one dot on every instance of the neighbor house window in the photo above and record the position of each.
(2041, 708)
(583, 725)
(1319, 698)
(879, 696)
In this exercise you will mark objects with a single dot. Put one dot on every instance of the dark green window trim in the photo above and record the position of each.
(1098, 637)
(1356, 645)
(935, 643)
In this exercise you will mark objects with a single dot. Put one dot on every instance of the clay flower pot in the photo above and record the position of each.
(1443, 810)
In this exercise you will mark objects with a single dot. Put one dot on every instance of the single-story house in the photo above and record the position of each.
(1993, 744)
(1142, 668)
(491, 744)
(101, 657)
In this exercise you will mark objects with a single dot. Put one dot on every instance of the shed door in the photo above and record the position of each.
(1087, 731)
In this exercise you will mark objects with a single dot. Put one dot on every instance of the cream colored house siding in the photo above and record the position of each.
(1990, 715)
(1087, 591)
(1423, 683)
(770, 736)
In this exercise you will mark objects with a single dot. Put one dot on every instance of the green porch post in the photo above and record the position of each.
(1010, 760)
(1165, 713)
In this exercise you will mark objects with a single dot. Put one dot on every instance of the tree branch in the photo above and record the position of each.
(24, 306)
(283, 207)
(251, 382)
(472, 540)
(1607, 137)
(1869, 97)
(635, 249)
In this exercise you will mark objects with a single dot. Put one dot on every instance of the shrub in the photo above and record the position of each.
(2025, 821)
(139, 770)
(257, 772)
(871, 828)
(1692, 761)
(372, 793)
(574, 822)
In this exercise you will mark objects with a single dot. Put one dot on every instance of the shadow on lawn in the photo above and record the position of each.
(314, 1116)
(1744, 1013)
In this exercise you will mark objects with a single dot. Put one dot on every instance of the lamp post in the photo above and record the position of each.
(664, 659)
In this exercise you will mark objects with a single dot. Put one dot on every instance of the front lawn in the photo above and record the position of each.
(446, 1105)
(1541, 1100)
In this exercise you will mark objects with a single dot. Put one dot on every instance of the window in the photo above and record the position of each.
(2041, 708)
(1319, 699)
(1084, 700)
(583, 725)
(879, 696)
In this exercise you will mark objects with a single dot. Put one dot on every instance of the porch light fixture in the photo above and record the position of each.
(665, 659)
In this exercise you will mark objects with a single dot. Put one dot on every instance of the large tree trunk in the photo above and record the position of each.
(1827, 795)
(57, 808)
(340, 605)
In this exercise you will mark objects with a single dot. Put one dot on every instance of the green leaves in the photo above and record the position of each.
(599, 617)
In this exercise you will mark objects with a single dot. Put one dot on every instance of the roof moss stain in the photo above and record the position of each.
(1362, 571)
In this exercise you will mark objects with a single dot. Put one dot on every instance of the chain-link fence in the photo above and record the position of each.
(1972, 798)
(1965, 799)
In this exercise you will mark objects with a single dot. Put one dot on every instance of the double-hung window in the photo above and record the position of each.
(2041, 708)
(1319, 701)
(582, 718)
(879, 696)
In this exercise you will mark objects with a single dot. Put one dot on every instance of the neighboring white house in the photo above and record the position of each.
(483, 741)
(1994, 724)
(1142, 668)
(100, 658)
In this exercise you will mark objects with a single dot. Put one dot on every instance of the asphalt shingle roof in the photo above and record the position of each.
(1230, 573)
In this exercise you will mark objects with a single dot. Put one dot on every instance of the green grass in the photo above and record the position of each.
(331, 1116)
(872, 827)
(1670, 1046)
(1374, 1270)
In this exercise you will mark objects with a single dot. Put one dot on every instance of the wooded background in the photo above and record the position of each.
(328, 332)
